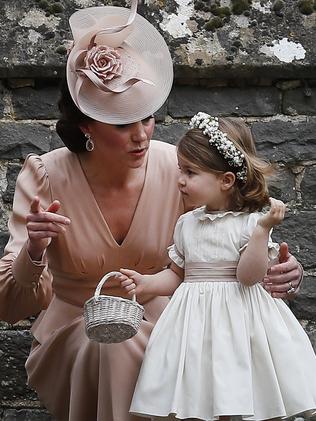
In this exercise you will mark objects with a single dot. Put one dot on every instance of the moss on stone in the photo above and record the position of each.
(306, 6)
(214, 24)
(61, 50)
(221, 11)
(56, 8)
(198, 5)
(240, 6)
(237, 43)
(43, 4)
(278, 5)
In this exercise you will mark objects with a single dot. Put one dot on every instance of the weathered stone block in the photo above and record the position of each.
(14, 349)
(187, 101)
(4, 238)
(286, 141)
(56, 141)
(170, 133)
(12, 173)
(25, 415)
(161, 114)
(40, 104)
(282, 185)
(21, 325)
(308, 186)
(33, 39)
(297, 230)
(2, 103)
(304, 304)
(19, 139)
(300, 101)
(310, 328)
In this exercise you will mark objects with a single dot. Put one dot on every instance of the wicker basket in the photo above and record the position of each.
(111, 319)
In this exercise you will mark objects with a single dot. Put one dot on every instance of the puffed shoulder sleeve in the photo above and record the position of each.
(248, 228)
(176, 251)
(25, 285)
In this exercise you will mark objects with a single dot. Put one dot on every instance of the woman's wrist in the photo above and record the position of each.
(35, 254)
(26, 271)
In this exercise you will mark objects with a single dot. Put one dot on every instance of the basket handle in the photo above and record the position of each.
(103, 280)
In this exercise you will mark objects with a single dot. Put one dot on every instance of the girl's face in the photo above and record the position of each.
(124, 144)
(200, 187)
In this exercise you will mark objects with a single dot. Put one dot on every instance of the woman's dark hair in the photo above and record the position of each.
(251, 195)
(67, 126)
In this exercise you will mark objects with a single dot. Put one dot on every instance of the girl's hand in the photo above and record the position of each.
(43, 225)
(132, 281)
(275, 215)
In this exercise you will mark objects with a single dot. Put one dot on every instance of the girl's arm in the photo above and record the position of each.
(253, 263)
(161, 283)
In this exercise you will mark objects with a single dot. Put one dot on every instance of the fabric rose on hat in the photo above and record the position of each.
(104, 62)
(109, 69)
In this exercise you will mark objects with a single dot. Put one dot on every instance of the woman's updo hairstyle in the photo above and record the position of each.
(67, 126)
(250, 195)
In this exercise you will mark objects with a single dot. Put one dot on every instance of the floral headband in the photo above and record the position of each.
(210, 127)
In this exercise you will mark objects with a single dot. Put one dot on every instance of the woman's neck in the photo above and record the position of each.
(109, 173)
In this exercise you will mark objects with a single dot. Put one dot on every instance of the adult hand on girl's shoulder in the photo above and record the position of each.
(283, 280)
(42, 225)
(274, 216)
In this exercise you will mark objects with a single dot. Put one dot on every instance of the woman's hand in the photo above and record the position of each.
(43, 225)
(274, 216)
(283, 279)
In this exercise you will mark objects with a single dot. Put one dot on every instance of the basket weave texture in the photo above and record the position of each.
(110, 319)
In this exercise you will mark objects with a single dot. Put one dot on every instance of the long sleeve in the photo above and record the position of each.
(25, 286)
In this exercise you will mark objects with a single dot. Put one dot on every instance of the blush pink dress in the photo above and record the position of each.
(77, 379)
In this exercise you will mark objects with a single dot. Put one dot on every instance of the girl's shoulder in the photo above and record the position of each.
(202, 214)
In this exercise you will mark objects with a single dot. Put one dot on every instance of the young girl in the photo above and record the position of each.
(223, 347)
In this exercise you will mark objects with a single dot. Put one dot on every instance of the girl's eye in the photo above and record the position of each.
(186, 171)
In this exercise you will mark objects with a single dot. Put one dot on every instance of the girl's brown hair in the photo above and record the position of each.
(250, 195)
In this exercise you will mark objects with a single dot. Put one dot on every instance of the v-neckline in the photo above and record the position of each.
(129, 233)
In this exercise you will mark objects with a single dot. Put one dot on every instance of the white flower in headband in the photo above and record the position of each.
(210, 128)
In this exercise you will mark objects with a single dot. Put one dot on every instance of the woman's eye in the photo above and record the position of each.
(147, 119)
(121, 126)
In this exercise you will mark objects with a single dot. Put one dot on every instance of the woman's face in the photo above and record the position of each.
(125, 144)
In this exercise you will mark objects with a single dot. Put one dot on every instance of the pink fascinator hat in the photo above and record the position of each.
(119, 69)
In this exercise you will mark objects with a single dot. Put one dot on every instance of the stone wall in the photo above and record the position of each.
(257, 62)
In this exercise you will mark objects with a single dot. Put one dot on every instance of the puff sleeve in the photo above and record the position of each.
(176, 251)
(25, 286)
(248, 228)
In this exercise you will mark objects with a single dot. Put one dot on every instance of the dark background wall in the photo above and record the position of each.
(232, 58)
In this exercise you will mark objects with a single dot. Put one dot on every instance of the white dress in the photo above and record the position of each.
(221, 348)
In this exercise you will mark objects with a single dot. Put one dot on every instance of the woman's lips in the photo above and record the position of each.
(138, 152)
